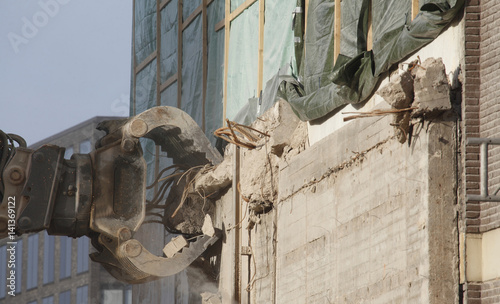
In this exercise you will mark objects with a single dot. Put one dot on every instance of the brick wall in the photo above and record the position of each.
(482, 119)
(489, 109)
(484, 293)
(471, 108)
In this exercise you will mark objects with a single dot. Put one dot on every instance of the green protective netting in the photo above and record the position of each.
(145, 88)
(325, 88)
(318, 63)
(145, 29)
(168, 97)
(192, 70)
(188, 8)
(243, 60)
(353, 32)
(169, 28)
(278, 37)
(215, 72)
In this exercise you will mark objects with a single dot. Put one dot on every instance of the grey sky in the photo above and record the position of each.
(62, 62)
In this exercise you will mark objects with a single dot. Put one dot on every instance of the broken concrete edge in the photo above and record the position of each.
(424, 89)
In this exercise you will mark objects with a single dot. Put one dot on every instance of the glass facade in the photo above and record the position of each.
(48, 258)
(69, 151)
(85, 147)
(48, 300)
(3, 271)
(82, 255)
(82, 293)
(32, 276)
(65, 257)
(19, 265)
(65, 297)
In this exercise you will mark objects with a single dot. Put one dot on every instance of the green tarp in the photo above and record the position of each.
(322, 87)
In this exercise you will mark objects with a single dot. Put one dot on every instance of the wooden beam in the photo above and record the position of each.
(204, 60)
(337, 31)
(158, 55)
(369, 35)
(240, 9)
(227, 10)
(145, 62)
(191, 17)
(220, 25)
(414, 9)
(234, 14)
(305, 19)
(179, 54)
(168, 82)
(260, 69)
(134, 76)
(164, 3)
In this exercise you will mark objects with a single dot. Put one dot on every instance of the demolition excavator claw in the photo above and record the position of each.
(102, 194)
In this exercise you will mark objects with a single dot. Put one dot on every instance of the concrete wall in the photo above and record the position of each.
(360, 218)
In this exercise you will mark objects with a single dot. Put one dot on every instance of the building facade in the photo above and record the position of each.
(363, 209)
(57, 269)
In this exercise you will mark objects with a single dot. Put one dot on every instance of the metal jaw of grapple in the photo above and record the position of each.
(102, 194)
(186, 144)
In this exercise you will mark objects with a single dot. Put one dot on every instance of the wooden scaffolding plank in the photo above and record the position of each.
(369, 36)
(179, 54)
(191, 17)
(414, 8)
(164, 3)
(158, 54)
(145, 62)
(234, 14)
(134, 76)
(337, 31)
(240, 9)
(168, 82)
(204, 61)
(260, 71)
(226, 57)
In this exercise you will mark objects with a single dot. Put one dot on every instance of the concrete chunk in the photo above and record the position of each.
(399, 92)
(174, 246)
(432, 90)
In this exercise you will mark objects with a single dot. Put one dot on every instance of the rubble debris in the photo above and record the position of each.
(432, 89)
(174, 246)
(399, 91)
(216, 178)
(208, 228)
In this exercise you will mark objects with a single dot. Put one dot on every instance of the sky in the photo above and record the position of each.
(62, 62)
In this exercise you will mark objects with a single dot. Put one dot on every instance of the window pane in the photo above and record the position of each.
(65, 258)
(65, 297)
(82, 294)
(48, 258)
(32, 278)
(3, 271)
(83, 255)
(68, 152)
(48, 300)
(85, 146)
(19, 265)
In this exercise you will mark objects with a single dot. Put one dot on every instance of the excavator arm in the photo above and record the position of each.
(102, 194)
